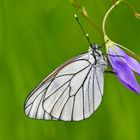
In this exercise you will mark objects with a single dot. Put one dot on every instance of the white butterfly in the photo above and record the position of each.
(72, 92)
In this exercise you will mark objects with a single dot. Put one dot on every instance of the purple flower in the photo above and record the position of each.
(124, 66)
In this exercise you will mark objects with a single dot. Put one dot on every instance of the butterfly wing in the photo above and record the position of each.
(71, 93)
(33, 103)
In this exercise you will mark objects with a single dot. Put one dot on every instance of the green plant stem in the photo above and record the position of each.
(136, 14)
(84, 13)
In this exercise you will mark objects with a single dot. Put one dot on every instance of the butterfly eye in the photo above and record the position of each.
(93, 47)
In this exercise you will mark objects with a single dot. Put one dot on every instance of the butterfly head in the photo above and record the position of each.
(93, 48)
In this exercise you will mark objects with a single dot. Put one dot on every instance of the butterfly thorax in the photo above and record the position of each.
(100, 59)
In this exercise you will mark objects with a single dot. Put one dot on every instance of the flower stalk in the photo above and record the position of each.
(124, 65)
(106, 37)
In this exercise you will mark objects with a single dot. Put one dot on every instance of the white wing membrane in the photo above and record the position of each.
(72, 67)
(71, 93)
(33, 105)
(88, 95)
(78, 106)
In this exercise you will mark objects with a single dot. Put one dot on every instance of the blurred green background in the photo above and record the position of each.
(36, 36)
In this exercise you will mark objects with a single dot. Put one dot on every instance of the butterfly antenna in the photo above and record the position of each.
(103, 44)
(86, 35)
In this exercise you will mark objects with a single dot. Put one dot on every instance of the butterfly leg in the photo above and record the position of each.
(110, 72)
(112, 55)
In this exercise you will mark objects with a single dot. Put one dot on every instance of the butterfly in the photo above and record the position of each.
(73, 92)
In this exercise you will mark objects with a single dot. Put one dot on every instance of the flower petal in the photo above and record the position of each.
(124, 72)
(114, 58)
(131, 62)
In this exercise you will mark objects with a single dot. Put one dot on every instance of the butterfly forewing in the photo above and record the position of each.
(33, 104)
(71, 93)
